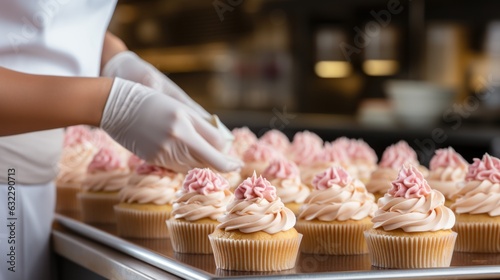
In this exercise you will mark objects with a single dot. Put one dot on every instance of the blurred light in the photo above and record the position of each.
(332, 69)
(379, 67)
(125, 13)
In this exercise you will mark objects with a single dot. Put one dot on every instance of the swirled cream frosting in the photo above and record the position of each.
(204, 194)
(305, 146)
(106, 172)
(276, 139)
(285, 176)
(151, 185)
(481, 193)
(243, 139)
(411, 205)
(337, 197)
(447, 171)
(255, 208)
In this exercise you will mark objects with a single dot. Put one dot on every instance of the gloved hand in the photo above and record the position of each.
(127, 65)
(162, 130)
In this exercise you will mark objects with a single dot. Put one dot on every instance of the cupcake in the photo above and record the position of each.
(202, 199)
(412, 227)
(243, 139)
(393, 158)
(335, 215)
(106, 175)
(285, 176)
(233, 178)
(477, 206)
(77, 154)
(361, 156)
(146, 205)
(257, 158)
(276, 139)
(256, 233)
(447, 172)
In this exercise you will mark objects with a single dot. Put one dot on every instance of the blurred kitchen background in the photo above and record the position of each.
(427, 72)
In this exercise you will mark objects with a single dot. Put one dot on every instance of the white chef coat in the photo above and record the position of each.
(51, 37)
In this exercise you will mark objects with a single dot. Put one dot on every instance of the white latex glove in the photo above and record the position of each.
(127, 65)
(162, 130)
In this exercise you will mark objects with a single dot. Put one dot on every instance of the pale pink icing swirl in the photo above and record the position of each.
(193, 206)
(486, 169)
(76, 135)
(305, 146)
(330, 177)
(396, 155)
(291, 190)
(337, 197)
(409, 184)
(416, 214)
(478, 197)
(204, 194)
(355, 149)
(203, 181)
(447, 158)
(257, 208)
(106, 181)
(332, 153)
(73, 164)
(243, 139)
(412, 206)
(101, 139)
(106, 159)
(255, 187)
(151, 189)
(281, 168)
(260, 152)
(275, 139)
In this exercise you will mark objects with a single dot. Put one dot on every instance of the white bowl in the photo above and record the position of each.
(419, 103)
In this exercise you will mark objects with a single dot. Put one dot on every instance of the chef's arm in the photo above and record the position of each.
(111, 47)
(38, 102)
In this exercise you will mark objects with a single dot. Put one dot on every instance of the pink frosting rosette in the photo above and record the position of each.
(447, 158)
(243, 139)
(486, 169)
(396, 155)
(331, 176)
(106, 159)
(409, 184)
(204, 181)
(305, 146)
(255, 187)
(150, 169)
(260, 152)
(281, 168)
(276, 139)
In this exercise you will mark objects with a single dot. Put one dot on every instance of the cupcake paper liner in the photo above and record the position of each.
(190, 237)
(134, 223)
(98, 208)
(332, 239)
(255, 255)
(66, 199)
(477, 237)
(410, 252)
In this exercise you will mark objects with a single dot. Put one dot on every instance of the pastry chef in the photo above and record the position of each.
(60, 67)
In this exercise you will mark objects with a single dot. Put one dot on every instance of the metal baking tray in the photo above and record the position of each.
(159, 253)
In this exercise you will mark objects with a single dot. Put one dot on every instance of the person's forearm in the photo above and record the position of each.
(111, 47)
(36, 102)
